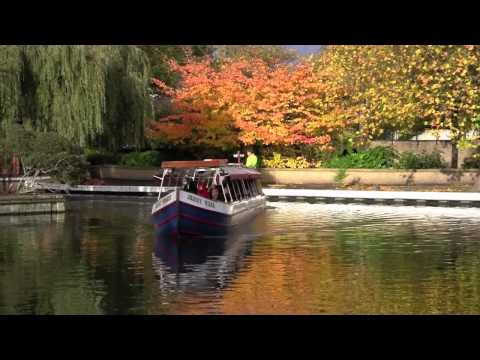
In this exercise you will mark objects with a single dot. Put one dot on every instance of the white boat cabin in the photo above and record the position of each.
(216, 180)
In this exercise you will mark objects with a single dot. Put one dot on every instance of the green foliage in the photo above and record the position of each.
(151, 158)
(472, 162)
(271, 54)
(410, 160)
(89, 94)
(101, 157)
(159, 55)
(46, 154)
(340, 175)
(10, 81)
(379, 157)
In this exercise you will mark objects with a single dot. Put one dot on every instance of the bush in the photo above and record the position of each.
(340, 176)
(100, 157)
(379, 157)
(279, 162)
(150, 158)
(46, 154)
(472, 162)
(410, 160)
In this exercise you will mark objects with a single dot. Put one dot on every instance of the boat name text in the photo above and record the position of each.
(197, 200)
(166, 199)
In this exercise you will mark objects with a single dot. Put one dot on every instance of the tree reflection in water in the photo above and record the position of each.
(102, 258)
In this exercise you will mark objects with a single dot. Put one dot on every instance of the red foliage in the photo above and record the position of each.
(247, 101)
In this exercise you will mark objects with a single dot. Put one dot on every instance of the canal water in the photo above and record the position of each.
(102, 257)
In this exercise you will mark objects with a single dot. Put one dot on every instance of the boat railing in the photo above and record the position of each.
(231, 189)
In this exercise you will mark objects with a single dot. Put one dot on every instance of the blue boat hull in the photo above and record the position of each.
(181, 219)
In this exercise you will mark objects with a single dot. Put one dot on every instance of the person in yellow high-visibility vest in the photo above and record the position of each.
(251, 160)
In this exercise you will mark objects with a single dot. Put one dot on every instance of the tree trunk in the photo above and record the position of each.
(15, 166)
(454, 156)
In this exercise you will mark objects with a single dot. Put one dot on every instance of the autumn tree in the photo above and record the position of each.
(160, 55)
(270, 54)
(247, 101)
(405, 88)
(345, 95)
(449, 90)
(373, 88)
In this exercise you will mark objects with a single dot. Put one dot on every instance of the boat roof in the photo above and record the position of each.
(241, 173)
(215, 163)
(234, 172)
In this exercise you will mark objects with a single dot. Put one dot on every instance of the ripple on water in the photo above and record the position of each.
(295, 258)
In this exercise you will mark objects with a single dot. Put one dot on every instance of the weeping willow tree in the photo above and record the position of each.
(92, 95)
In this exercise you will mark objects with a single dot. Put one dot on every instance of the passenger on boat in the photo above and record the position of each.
(215, 193)
(202, 189)
(190, 186)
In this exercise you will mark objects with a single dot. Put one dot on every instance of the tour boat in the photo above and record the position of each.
(206, 198)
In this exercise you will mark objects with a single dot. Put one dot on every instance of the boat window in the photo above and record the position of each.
(252, 187)
(232, 186)
(227, 190)
(245, 188)
(252, 192)
(242, 186)
(239, 188)
(222, 191)
(245, 191)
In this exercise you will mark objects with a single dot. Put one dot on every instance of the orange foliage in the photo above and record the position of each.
(248, 101)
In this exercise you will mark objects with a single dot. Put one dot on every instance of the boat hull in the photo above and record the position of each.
(186, 214)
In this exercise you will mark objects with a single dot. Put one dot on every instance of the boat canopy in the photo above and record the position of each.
(194, 164)
(236, 173)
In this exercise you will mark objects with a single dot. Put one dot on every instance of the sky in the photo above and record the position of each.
(305, 49)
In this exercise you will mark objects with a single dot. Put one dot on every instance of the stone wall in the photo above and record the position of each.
(326, 177)
(444, 147)
(114, 172)
(31, 204)
(322, 177)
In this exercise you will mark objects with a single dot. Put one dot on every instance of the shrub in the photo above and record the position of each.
(410, 160)
(150, 158)
(47, 154)
(472, 162)
(340, 176)
(379, 157)
(280, 162)
(101, 157)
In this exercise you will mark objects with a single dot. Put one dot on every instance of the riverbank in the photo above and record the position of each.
(326, 178)
(359, 187)
(31, 204)
(431, 198)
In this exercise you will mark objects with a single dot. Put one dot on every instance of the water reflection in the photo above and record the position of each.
(363, 260)
(102, 258)
(196, 264)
